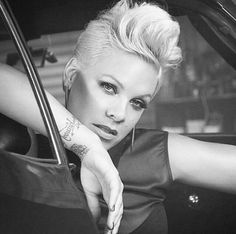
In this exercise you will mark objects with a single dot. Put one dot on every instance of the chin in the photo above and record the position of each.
(108, 144)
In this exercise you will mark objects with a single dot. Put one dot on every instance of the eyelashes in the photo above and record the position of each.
(137, 103)
(108, 87)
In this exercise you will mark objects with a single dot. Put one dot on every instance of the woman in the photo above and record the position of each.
(112, 77)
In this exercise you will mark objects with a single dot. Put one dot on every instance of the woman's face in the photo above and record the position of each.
(110, 96)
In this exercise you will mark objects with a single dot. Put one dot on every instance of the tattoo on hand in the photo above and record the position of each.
(80, 150)
(68, 131)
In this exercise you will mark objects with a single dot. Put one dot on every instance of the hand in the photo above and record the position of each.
(99, 176)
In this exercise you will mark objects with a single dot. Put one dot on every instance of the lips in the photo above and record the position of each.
(106, 129)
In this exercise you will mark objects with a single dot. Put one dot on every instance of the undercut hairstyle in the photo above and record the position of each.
(144, 29)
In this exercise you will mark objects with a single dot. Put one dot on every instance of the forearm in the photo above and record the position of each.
(18, 102)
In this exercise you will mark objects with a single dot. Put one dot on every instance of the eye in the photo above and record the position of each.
(108, 87)
(139, 104)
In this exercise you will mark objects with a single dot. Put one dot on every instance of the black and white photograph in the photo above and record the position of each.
(118, 117)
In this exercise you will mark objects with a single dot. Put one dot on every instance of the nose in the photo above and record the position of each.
(117, 111)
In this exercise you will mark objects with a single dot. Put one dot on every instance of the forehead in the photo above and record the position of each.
(130, 70)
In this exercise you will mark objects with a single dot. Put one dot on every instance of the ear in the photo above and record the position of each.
(70, 73)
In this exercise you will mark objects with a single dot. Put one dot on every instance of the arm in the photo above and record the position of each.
(201, 163)
(17, 101)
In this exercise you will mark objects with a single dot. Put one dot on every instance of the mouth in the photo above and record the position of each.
(105, 132)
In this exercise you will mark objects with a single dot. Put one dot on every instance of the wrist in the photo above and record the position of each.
(85, 144)
(78, 138)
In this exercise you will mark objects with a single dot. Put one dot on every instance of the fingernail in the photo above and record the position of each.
(112, 208)
(108, 229)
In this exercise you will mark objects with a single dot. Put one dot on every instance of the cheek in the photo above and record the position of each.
(77, 101)
(132, 120)
(86, 101)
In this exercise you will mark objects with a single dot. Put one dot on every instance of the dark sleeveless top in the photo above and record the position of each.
(146, 175)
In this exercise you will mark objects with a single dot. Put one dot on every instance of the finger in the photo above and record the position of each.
(117, 225)
(117, 222)
(93, 204)
(113, 216)
(116, 192)
(108, 230)
(119, 210)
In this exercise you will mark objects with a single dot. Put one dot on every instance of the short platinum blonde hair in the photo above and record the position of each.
(144, 29)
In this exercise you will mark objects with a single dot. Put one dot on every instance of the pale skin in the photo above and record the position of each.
(114, 93)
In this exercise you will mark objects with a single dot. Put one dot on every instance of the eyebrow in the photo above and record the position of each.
(112, 77)
(122, 86)
(145, 96)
